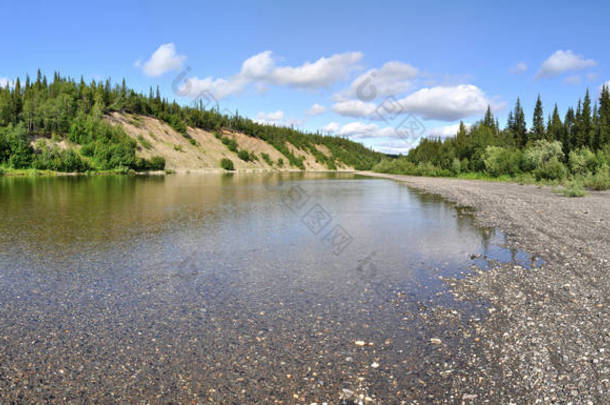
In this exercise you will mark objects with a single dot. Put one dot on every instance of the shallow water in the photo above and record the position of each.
(247, 287)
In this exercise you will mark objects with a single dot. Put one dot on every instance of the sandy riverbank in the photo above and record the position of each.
(547, 336)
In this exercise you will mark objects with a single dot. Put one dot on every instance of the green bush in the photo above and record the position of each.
(542, 152)
(267, 159)
(280, 162)
(144, 142)
(157, 163)
(582, 161)
(574, 189)
(230, 143)
(551, 170)
(227, 164)
(244, 155)
(599, 180)
(501, 161)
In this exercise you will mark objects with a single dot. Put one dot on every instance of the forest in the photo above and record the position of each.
(65, 110)
(574, 150)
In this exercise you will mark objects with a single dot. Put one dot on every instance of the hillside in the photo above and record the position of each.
(76, 127)
(202, 150)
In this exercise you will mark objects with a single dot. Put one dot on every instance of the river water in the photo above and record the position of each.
(245, 288)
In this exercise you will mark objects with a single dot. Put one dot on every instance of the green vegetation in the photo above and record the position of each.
(573, 188)
(227, 164)
(144, 142)
(66, 109)
(575, 151)
(267, 159)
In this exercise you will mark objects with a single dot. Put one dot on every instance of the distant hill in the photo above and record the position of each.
(70, 126)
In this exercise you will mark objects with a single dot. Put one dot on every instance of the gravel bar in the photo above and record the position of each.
(547, 336)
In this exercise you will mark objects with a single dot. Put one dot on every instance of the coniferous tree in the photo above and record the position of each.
(538, 121)
(519, 128)
(585, 124)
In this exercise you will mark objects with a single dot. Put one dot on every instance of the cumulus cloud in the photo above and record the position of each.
(355, 108)
(163, 60)
(262, 70)
(274, 117)
(359, 130)
(519, 68)
(445, 131)
(391, 79)
(563, 61)
(316, 109)
(396, 147)
(444, 103)
(277, 118)
(331, 127)
(447, 103)
(321, 73)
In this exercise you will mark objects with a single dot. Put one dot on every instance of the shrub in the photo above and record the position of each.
(178, 148)
(582, 161)
(193, 142)
(542, 152)
(157, 163)
(551, 170)
(267, 159)
(230, 143)
(280, 162)
(456, 166)
(2, 171)
(501, 161)
(227, 164)
(244, 155)
(599, 180)
(144, 142)
(573, 189)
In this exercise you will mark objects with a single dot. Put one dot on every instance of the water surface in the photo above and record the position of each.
(219, 288)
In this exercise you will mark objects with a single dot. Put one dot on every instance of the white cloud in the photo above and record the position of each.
(277, 118)
(396, 147)
(316, 109)
(274, 117)
(262, 70)
(447, 103)
(445, 131)
(331, 128)
(163, 60)
(519, 68)
(355, 108)
(574, 79)
(321, 73)
(360, 130)
(563, 61)
(391, 79)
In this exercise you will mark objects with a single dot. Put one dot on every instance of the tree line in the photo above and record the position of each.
(575, 147)
(65, 109)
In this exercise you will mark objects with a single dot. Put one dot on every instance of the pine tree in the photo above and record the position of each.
(604, 116)
(570, 127)
(538, 121)
(585, 126)
(555, 132)
(519, 129)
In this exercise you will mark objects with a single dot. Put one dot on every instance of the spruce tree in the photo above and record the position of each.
(538, 121)
(585, 126)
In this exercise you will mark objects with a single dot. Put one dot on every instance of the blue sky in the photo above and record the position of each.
(430, 63)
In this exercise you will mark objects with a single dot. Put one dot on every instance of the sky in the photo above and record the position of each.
(382, 73)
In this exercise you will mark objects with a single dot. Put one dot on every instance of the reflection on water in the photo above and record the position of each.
(203, 267)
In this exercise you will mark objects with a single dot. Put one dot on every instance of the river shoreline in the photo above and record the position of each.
(547, 335)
